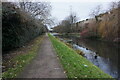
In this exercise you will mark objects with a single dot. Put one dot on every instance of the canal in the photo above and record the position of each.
(102, 54)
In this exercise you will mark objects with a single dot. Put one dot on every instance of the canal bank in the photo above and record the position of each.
(75, 66)
(102, 54)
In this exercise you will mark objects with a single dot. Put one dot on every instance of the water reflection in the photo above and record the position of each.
(102, 63)
(102, 54)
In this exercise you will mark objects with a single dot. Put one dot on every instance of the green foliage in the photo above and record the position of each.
(75, 65)
(18, 27)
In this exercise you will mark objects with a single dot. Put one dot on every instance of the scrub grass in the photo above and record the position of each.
(75, 65)
(21, 60)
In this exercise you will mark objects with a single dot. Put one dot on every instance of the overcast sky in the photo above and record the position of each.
(61, 9)
(82, 8)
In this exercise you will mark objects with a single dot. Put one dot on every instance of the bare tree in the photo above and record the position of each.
(96, 11)
(40, 10)
(68, 24)
(72, 18)
(113, 5)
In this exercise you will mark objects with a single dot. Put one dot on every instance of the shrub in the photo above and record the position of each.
(18, 27)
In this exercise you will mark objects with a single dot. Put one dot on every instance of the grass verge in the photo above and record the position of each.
(22, 59)
(74, 64)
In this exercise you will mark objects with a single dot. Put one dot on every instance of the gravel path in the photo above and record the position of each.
(45, 65)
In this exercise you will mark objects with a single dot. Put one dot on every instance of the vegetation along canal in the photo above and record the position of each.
(102, 54)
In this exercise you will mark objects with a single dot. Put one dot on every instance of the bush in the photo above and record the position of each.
(18, 27)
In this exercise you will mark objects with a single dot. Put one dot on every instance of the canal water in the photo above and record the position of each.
(102, 54)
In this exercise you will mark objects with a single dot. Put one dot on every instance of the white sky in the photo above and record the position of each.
(82, 8)
(62, 0)
(61, 8)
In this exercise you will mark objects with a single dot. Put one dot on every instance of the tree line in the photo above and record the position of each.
(101, 25)
(22, 22)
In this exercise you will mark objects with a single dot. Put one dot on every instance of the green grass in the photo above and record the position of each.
(22, 60)
(74, 64)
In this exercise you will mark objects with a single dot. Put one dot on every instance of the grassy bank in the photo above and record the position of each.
(74, 64)
(22, 59)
